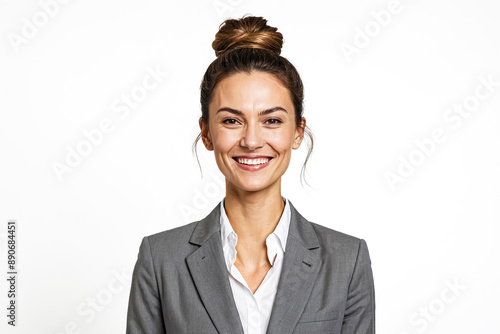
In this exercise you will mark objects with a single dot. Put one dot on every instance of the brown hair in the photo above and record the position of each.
(247, 45)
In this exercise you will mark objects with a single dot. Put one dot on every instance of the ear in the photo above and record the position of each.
(205, 135)
(299, 134)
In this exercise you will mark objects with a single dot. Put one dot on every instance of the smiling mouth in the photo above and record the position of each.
(252, 162)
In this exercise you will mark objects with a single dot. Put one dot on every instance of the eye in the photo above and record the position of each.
(274, 121)
(230, 121)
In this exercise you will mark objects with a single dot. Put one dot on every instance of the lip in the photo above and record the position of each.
(252, 168)
(252, 157)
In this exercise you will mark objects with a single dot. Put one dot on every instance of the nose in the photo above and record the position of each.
(252, 136)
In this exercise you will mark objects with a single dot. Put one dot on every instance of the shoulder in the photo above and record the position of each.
(334, 237)
(177, 233)
(330, 241)
(177, 239)
(335, 242)
(181, 241)
(341, 250)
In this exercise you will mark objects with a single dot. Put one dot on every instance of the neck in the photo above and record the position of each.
(253, 215)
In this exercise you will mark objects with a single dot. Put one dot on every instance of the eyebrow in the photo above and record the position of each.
(263, 112)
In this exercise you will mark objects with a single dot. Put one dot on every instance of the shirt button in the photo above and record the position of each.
(252, 306)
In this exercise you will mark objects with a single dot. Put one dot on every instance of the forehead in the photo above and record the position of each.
(249, 91)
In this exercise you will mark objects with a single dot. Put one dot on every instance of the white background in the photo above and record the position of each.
(438, 228)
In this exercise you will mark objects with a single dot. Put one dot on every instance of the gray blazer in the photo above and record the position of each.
(180, 283)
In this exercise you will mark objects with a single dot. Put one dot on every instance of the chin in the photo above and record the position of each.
(254, 185)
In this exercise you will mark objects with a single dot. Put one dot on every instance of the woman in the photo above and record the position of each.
(254, 264)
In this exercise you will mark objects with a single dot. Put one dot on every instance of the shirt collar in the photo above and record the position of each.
(229, 237)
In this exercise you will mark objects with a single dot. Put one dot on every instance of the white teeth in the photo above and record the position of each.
(253, 161)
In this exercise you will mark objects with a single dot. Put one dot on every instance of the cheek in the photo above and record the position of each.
(225, 140)
(223, 144)
(280, 140)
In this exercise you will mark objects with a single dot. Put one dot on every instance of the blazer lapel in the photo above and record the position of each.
(209, 273)
(301, 265)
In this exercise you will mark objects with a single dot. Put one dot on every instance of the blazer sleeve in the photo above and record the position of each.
(359, 317)
(144, 313)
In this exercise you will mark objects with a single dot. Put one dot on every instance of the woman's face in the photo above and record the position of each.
(252, 130)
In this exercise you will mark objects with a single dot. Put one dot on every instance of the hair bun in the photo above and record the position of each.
(247, 32)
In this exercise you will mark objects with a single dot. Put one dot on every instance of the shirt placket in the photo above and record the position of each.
(253, 315)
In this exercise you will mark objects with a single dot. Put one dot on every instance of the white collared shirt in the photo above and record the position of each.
(255, 309)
